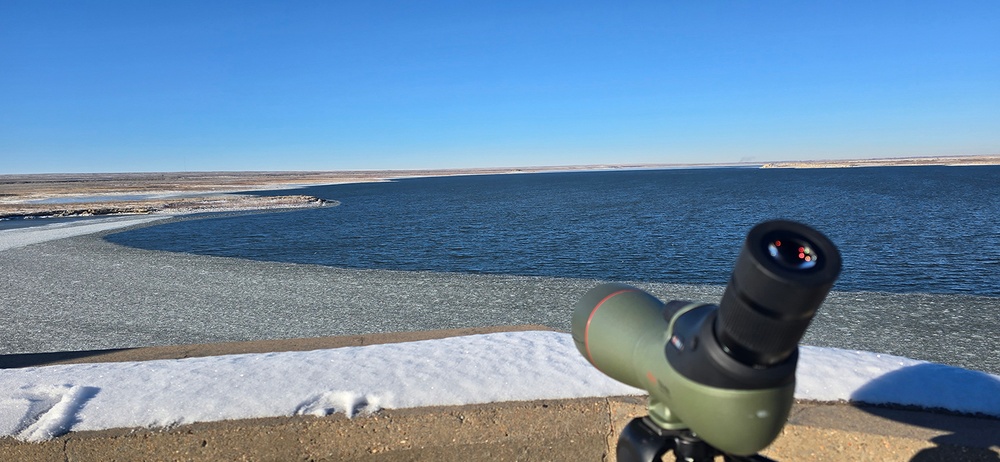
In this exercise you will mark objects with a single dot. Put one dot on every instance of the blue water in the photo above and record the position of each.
(899, 229)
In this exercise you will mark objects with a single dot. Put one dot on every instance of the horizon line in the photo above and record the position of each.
(972, 159)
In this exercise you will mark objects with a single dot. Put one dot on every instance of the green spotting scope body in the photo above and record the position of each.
(726, 372)
(625, 334)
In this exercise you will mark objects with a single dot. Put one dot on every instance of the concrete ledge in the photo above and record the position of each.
(573, 429)
(831, 431)
(578, 429)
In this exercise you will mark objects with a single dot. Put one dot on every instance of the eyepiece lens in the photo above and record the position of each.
(791, 253)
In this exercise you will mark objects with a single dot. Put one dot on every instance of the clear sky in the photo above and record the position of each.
(110, 86)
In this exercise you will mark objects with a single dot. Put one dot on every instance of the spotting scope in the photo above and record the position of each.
(720, 378)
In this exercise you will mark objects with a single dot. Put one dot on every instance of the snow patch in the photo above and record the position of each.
(41, 412)
(356, 381)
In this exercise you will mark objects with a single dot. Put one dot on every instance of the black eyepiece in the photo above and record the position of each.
(782, 275)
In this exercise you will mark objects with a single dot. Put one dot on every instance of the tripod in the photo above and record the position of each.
(642, 440)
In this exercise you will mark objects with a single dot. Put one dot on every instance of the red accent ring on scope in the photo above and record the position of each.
(586, 330)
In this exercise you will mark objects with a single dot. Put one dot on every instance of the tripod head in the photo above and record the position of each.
(644, 441)
(723, 374)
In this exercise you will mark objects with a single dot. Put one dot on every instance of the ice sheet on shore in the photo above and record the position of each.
(44, 402)
(20, 237)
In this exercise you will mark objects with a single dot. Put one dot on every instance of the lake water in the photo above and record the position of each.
(921, 245)
(900, 229)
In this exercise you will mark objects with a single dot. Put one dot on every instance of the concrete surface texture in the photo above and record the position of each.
(579, 429)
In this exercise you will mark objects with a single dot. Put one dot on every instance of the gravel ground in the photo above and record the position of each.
(82, 293)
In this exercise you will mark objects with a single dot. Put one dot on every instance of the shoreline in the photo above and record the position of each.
(173, 206)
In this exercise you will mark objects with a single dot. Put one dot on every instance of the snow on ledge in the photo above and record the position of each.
(40, 403)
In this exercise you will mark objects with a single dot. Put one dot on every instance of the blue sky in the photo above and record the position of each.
(111, 86)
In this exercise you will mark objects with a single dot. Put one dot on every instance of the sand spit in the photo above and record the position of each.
(171, 205)
(33, 187)
(94, 194)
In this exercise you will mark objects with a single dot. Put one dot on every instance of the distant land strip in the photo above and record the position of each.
(92, 194)
(889, 162)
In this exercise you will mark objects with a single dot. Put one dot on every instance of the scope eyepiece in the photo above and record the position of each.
(782, 275)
